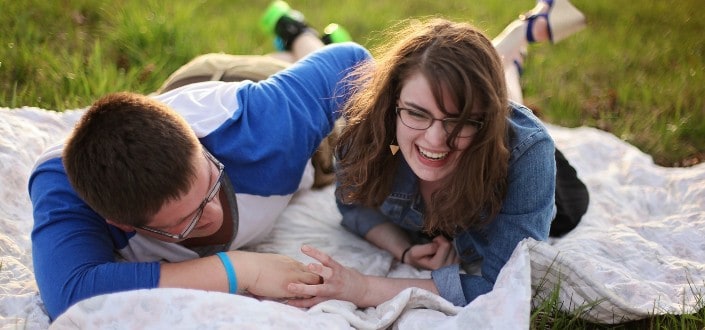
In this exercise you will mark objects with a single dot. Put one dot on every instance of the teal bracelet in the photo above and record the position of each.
(229, 270)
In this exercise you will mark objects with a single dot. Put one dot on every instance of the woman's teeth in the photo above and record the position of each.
(433, 155)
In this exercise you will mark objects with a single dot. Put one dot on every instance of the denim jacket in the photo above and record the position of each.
(527, 210)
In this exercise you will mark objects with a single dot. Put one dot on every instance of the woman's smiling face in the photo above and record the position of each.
(426, 151)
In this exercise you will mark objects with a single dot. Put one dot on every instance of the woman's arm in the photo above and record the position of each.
(433, 255)
(390, 237)
(376, 228)
(348, 284)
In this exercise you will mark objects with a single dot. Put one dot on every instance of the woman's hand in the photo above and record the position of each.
(338, 282)
(436, 254)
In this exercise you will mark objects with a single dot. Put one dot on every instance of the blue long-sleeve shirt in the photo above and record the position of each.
(263, 132)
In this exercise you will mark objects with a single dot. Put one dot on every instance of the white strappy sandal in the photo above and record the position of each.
(563, 19)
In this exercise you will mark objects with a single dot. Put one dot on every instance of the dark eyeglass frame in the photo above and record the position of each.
(212, 193)
(445, 121)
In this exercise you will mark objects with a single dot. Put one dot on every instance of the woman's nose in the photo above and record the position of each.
(436, 133)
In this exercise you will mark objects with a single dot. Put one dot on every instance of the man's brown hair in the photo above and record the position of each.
(128, 155)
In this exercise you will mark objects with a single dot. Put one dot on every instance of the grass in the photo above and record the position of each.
(637, 71)
(549, 314)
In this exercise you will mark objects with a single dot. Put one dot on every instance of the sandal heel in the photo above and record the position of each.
(564, 20)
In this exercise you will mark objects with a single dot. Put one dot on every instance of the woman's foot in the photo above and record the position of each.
(552, 20)
(537, 18)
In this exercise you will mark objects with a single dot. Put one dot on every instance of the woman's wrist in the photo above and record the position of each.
(403, 254)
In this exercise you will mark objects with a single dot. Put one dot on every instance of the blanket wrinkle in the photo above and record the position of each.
(637, 252)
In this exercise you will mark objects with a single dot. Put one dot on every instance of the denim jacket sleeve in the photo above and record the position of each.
(527, 211)
(359, 219)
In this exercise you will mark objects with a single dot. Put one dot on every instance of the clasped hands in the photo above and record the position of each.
(344, 283)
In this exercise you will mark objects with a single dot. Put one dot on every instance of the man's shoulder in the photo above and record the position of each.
(53, 152)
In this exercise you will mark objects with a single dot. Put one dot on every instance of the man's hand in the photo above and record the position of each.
(267, 275)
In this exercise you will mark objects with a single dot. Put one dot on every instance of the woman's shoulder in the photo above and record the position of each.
(523, 119)
(526, 131)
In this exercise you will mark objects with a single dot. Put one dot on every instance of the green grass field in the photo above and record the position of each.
(637, 71)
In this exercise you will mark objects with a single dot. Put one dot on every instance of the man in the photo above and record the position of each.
(148, 191)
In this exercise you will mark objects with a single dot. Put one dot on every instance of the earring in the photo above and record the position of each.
(394, 147)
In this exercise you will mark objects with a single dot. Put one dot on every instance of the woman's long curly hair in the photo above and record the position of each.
(455, 58)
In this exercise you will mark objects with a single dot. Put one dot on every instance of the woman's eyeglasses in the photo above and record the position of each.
(421, 120)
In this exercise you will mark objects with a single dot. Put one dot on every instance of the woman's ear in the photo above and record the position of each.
(123, 227)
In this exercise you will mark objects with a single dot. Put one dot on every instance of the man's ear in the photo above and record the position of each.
(123, 227)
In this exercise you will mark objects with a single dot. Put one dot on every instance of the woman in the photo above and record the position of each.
(436, 164)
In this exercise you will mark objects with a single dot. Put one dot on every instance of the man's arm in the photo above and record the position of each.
(277, 123)
(73, 251)
(260, 274)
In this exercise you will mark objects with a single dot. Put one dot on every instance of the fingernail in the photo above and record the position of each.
(305, 248)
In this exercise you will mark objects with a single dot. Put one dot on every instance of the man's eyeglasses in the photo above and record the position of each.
(421, 120)
(199, 211)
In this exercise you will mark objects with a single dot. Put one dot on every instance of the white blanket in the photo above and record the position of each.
(640, 250)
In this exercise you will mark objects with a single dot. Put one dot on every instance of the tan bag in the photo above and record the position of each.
(226, 67)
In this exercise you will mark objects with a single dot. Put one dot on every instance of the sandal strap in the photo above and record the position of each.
(530, 19)
(520, 68)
